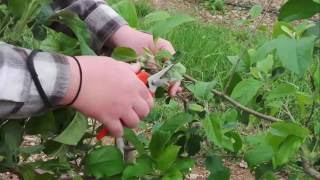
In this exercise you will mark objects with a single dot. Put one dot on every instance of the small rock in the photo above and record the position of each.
(243, 164)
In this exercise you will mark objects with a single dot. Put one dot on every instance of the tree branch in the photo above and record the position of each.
(237, 104)
(309, 169)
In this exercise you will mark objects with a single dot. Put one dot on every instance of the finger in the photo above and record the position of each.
(114, 126)
(130, 119)
(135, 67)
(150, 101)
(141, 108)
(147, 96)
(174, 89)
(166, 45)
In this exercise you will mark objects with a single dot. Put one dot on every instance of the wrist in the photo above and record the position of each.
(74, 82)
(122, 33)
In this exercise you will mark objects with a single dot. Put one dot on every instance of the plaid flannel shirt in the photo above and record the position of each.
(18, 95)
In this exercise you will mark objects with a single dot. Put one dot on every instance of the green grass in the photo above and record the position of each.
(205, 48)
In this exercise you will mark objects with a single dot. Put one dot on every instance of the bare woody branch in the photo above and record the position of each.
(237, 104)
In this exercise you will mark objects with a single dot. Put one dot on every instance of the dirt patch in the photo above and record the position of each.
(235, 10)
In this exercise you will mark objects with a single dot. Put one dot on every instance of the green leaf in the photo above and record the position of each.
(31, 149)
(285, 129)
(79, 28)
(274, 141)
(18, 7)
(176, 73)
(10, 140)
(28, 173)
(297, 9)
(236, 140)
(278, 29)
(266, 64)
(295, 54)
(124, 54)
(281, 90)
(316, 76)
(60, 43)
(287, 150)
(246, 90)
(39, 32)
(141, 168)
(258, 155)
(40, 124)
(173, 175)
(163, 55)
(254, 140)
(104, 161)
(212, 128)
(163, 27)
(255, 11)
(74, 132)
(230, 116)
(183, 165)
(167, 157)
(158, 142)
(313, 31)
(127, 10)
(235, 80)
(156, 17)
(53, 148)
(202, 90)
(177, 121)
(131, 136)
(268, 175)
(243, 65)
(193, 107)
(217, 169)
(193, 145)
(264, 172)
(55, 165)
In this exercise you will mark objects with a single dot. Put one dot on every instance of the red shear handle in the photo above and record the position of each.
(143, 76)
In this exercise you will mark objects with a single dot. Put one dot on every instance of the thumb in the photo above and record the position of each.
(135, 67)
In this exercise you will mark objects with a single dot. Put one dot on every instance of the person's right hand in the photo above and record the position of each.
(111, 92)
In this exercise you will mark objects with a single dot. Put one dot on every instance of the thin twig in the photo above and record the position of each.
(309, 169)
(237, 104)
(288, 112)
(313, 89)
(311, 113)
(93, 129)
(243, 52)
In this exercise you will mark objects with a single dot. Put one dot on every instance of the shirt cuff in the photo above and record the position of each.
(103, 22)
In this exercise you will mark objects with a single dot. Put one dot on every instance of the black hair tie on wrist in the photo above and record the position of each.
(35, 78)
(80, 84)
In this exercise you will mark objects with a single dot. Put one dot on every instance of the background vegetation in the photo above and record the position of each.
(257, 99)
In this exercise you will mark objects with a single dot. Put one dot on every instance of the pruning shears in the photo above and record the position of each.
(153, 82)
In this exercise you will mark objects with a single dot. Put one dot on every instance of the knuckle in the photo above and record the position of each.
(116, 131)
(131, 122)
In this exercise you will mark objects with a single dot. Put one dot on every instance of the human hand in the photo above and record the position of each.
(111, 92)
(138, 41)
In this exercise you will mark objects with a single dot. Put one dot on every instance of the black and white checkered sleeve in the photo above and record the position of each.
(102, 21)
(18, 94)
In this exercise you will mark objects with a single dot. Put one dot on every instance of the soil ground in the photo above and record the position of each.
(234, 10)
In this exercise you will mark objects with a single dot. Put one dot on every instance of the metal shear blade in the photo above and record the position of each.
(156, 80)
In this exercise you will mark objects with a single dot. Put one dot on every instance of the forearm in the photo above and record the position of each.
(18, 95)
(102, 21)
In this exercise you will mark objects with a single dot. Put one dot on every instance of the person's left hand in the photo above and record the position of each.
(138, 41)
